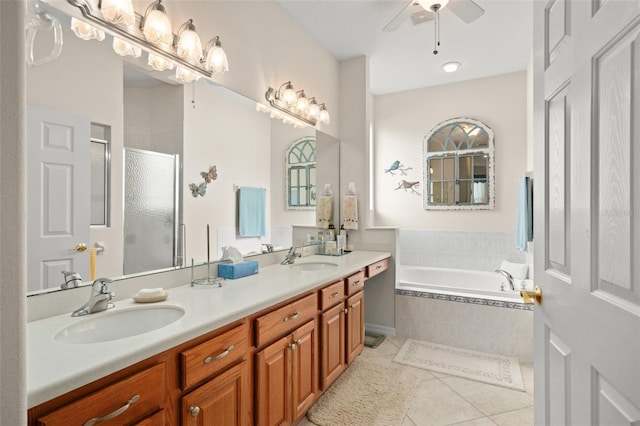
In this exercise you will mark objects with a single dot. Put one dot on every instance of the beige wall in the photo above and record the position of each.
(402, 120)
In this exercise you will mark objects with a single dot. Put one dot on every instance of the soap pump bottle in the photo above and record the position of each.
(343, 234)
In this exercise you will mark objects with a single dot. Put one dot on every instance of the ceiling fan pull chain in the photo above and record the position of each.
(436, 33)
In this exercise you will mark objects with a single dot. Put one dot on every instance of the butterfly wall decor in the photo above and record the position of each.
(198, 189)
(211, 175)
(201, 189)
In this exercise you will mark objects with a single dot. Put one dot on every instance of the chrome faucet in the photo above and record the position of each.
(508, 276)
(71, 280)
(100, 299)
(291, 256)
(268, 248)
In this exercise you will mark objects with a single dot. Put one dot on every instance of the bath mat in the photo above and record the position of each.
(483, 367)
(367, 394)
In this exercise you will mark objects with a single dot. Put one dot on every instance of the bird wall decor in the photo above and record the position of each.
(397, 167)
(408, 186)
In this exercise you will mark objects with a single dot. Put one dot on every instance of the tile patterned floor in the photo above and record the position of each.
(448, 400)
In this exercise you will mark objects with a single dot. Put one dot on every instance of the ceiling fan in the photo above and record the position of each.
(420, 11)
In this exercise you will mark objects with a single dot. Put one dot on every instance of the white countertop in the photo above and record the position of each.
(55, 368)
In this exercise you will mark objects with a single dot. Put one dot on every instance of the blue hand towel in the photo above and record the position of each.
(251, 212)
(524, 215)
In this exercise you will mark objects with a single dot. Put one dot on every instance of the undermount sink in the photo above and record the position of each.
(312, 266)
(114, 325)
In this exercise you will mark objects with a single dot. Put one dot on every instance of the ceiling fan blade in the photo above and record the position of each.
(401, 17)
(467, 10)
(422, 16)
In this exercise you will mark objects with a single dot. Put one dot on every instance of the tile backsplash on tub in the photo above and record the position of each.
(476, 250)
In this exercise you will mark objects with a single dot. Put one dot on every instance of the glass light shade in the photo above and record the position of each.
(450, 66)
(159, 63)
(118, 12)
(86, 31)
(124, 48)
(302, 103)
(289, 95)
(186, 75)
(189, 45)
(216, 58)
(428, 4)
(157, 27)
(314, 109)
(323, 117)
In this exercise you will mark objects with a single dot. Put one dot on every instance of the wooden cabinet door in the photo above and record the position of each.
(333, 343)
(355, 325)
(223, 401)
(304, 368)
(272, 387)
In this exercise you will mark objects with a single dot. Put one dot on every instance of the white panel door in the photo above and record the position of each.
(587, 212)
(58, 199)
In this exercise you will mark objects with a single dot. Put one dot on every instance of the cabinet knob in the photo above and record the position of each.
(194, 411)
(346, 311)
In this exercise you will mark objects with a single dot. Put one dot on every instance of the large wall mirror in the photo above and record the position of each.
(140, 139)
(459, 166)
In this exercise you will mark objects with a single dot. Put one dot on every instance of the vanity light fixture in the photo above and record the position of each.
(450, 66)
(296, 105)
(216, 60)
(152, 33)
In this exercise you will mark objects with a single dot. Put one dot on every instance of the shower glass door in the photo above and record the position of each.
(150, 210)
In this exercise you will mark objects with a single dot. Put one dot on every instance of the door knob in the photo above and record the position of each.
(529, 296)
(79, 248)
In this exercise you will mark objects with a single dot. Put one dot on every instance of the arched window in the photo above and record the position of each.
(301, 174)
(459, 166)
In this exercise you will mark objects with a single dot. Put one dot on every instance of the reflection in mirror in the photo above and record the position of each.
(459, 169)
(198, 125)
(300, 162)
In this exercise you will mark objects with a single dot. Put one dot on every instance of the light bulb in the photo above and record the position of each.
(189, 45)
(124, 48)
(86, 31)
(430, 5)
(157, 27)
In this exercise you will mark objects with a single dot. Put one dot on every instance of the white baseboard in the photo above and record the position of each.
(379, 329)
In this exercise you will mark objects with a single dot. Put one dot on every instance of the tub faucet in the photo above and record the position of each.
(100, 299)
(291, 256)
(508, 276)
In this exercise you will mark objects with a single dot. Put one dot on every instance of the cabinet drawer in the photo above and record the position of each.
(283, 320)
(209, 357)
(331, 295)
(128, 401)
(375, 268)
(354, 283)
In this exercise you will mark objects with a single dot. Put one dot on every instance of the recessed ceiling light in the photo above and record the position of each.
(451, 66)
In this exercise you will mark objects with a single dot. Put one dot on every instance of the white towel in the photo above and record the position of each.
(479, 192)
(324, 212)
(350, 212)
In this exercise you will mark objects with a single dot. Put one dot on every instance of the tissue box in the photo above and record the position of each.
(237, 270)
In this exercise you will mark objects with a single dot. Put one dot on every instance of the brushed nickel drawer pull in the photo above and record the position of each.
(221, 355)
(378, 266)
(292, 317)
(355, 283)
(113, 414)
(334, 295)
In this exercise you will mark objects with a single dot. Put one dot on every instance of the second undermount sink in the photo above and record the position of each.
(312, 266)
(114, 325)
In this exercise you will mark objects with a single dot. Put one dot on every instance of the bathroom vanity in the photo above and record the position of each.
(259, 350)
